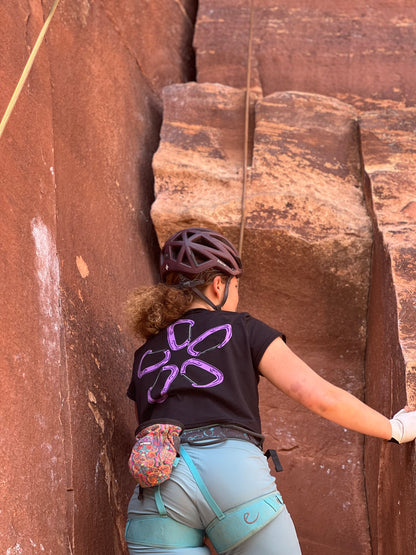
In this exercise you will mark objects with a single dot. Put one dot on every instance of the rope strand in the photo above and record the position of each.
(26, 70)
(246, 131)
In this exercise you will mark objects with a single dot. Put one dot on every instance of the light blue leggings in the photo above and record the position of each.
(234, 472)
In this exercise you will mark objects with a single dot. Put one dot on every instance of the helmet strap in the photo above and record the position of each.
(208, 301)
(185, 283)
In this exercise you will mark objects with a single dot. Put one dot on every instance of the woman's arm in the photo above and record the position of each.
(294, 377)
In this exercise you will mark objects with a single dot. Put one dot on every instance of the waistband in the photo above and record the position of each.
(209, 435)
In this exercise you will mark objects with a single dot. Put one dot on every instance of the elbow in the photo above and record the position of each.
(323, 401)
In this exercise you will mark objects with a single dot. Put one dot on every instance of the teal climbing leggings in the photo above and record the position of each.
(234, 472)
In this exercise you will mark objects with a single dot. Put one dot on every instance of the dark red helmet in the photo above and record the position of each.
(195, 249)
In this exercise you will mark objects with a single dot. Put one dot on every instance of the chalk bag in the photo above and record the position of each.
(154, 453)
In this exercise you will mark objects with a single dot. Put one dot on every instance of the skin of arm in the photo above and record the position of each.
(285, 370)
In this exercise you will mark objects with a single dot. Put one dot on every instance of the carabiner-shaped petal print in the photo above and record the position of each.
(147, 369)
(174, 371)
(205, 367)
(228, 334)
(171, 335)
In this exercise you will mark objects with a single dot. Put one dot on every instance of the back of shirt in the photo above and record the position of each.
(202, 370)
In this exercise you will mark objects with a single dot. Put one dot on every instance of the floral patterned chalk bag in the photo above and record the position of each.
(153, 455)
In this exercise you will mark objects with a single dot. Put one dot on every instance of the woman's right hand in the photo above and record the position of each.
(403, 425)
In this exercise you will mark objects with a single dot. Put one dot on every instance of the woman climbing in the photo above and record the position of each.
(195, 384)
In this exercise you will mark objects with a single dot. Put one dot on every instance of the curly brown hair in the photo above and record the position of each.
(150, 309)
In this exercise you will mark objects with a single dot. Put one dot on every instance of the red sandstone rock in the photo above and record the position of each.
(306, 257)
(32, 438)
(198, 168)
(76, 188)
(388, 145)
(314, 265)
(76, 181)
(345, 49)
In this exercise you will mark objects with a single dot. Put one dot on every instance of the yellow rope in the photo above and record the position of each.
(246, 131)
(27, 69)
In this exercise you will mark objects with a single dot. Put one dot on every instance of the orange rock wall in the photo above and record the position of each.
(76, 189)
(361, 50)
(360, 53)
(388, 146)
(306, 259)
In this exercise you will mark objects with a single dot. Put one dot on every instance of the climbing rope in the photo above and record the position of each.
(27, 69)
(246, 130)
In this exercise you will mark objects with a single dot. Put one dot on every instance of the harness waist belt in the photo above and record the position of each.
(209, 435)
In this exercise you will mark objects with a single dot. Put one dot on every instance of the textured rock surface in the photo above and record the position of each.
(389, 150)
(76, 189)
(307, 260)
(306, 255)
(32, 438)
(346, 49)
(203, 135)
(360, 53)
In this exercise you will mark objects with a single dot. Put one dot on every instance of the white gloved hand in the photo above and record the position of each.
(403, 426)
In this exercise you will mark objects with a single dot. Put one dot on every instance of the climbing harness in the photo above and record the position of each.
(227, 530)
(246, 130)
(232, 527)
(27, 69)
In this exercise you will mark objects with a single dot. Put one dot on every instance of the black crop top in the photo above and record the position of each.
(202, 370)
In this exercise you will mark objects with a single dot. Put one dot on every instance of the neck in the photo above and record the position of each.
(199, 304)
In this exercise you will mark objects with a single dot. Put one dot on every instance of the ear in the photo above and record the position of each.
(217, 285)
